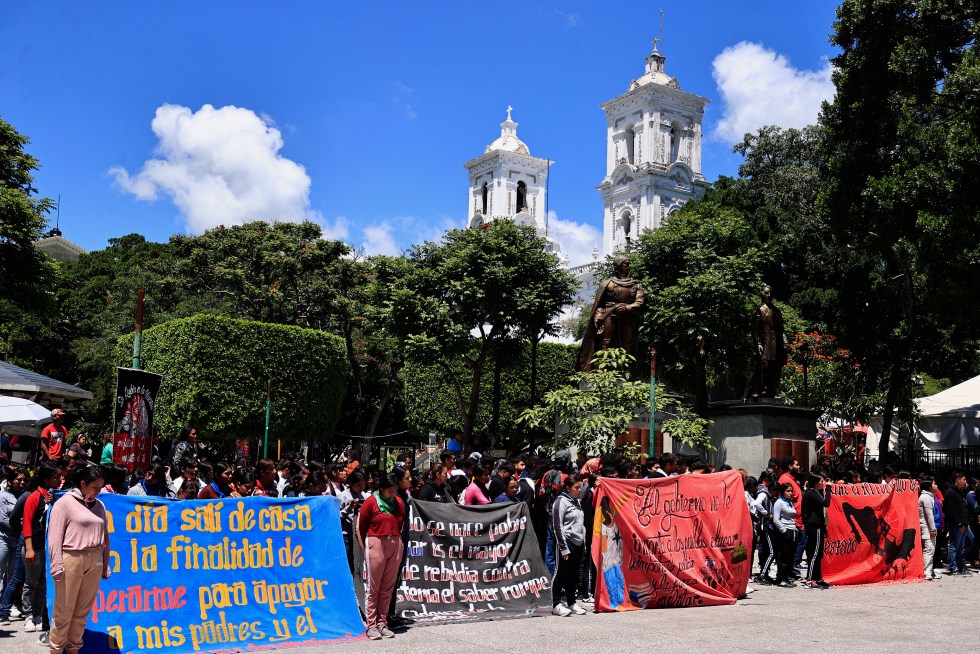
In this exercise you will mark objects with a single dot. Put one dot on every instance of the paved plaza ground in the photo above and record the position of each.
(926, 617)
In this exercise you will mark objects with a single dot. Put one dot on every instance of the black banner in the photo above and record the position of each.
(136, 394)
(468, 563)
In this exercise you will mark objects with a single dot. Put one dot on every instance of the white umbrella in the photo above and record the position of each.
(20, 416)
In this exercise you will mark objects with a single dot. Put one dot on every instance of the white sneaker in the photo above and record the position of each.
(15, 613)
(44, 639)
(576, 609)
(749, 589)
(561, 611)
(29, 625)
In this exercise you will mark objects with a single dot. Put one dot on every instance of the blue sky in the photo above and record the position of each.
(360, 115)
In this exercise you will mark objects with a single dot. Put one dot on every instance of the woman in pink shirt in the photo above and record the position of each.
(78, 550)
(476, 492)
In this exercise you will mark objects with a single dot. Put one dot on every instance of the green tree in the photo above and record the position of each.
(598, 405)
(31, 328)
(701, 272)
(461, 299)
(903, 151)
(777, 190)
(281, 273)
(215, 371)
(431, 404)
(98, 295)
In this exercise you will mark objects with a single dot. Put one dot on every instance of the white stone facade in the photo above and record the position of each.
(653, 155)
(507, 182)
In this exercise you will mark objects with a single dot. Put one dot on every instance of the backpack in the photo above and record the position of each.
(551, 487)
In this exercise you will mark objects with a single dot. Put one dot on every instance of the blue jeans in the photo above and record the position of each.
(13, 571)
(549, 550)
(954, 555)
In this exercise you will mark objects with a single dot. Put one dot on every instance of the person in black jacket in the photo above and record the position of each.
(815, 500)
(434, 489)
(954, 511)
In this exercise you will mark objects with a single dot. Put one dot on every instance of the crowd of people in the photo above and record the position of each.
(787, 506)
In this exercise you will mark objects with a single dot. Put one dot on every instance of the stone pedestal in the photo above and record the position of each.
(747, 434)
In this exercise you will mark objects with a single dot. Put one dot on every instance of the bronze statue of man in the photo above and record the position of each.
(771, 344)
(615, 318)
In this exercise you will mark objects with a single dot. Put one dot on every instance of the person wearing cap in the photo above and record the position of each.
(53, 437)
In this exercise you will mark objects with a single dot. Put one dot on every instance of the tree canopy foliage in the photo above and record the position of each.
(462, 300)
(215, 374)
(902, 141)
(31, 328)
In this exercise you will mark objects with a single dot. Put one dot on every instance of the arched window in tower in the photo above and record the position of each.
(675, 142)
(486, 194)
(626, 224)
(521, 196)
(630, 137)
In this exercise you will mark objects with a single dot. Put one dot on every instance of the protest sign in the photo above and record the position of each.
(873, 533)
(221, 575)
(136, 393)
(468, 563)
(671, 542)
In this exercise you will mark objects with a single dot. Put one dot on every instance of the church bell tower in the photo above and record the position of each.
(653, 154)
(507, 182)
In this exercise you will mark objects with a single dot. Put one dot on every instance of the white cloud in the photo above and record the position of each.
(576, 239)
(380, 239)
(761, 87)
(221, 167)
(339, 231)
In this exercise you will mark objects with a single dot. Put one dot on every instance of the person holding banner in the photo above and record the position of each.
(816, 500)
(78, 551)
(379, 530)
(568, 520)
(784, 519)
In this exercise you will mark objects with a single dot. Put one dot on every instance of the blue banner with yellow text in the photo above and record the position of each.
(246, 574)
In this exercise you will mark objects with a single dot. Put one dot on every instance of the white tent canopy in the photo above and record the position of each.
(21, 382)
(20, 416)
(950, 418)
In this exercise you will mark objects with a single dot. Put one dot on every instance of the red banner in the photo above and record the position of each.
(678, 541)
(873, 534)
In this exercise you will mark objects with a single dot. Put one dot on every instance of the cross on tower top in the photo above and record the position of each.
(509, 109)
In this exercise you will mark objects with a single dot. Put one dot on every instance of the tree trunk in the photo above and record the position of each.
(897, 379)
(534, 370)
(469, 418)
(700, 381)
(389, 393)
(495, 402)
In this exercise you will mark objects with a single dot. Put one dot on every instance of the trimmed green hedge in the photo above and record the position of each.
(215, 371)
(430, 404)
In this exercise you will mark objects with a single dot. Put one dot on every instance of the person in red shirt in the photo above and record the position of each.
(53, 437)
(791, 468)
(379, 531)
